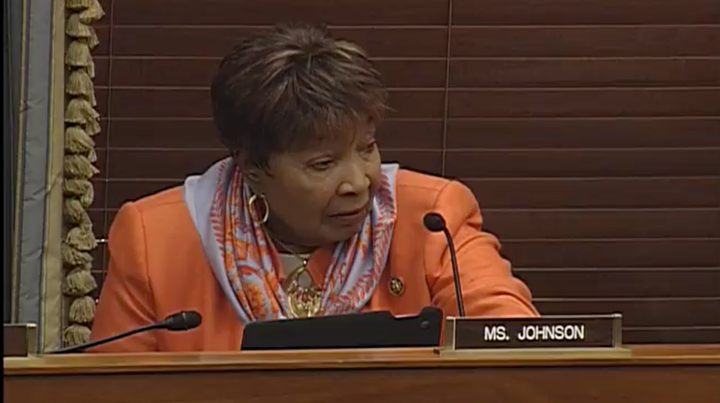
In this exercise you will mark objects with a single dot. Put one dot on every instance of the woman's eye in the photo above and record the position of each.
(370, 148)
(321, 165)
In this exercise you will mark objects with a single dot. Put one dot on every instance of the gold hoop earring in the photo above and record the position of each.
(251, 205)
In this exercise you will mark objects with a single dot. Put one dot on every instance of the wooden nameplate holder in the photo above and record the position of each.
(548, 335)
(19, 339)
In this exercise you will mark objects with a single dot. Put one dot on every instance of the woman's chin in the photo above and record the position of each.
(340, 234)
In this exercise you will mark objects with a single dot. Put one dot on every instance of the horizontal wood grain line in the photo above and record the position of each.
(128, 73)
(424, 133)
(625, 285)
(347, 12)
(206, 88)
(414, 104)
(588, 163)
(520, 270)
(179, 164)
(586, 179)
(662, 328)
(194, 73)
(540, 210)
(468, 179)
(429, 41)
(400, 27)
(594, 12)
(641, 312)
(584, 102)
(610, 253)
(439, 58)
(196, 103)
(714, 298)
(453, 150)
(217, 40)
(513, 193)
(603, 224)
(618, 40)
(582, 26)
(670, 328)
(105, 118)
(268, 27)
(203, 87)
(612, 240)
(583, 118)
(554, 132)
(535, 73)
(671, 335)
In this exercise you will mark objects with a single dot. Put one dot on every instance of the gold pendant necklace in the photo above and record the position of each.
(302, 299)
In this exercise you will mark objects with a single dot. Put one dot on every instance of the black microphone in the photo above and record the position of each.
(434, 222)
(177, 322)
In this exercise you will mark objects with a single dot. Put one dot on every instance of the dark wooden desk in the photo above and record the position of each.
(652, 374)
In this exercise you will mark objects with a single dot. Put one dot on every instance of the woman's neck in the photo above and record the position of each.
(286, 245)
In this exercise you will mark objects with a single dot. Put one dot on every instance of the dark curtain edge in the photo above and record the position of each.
(12, 42)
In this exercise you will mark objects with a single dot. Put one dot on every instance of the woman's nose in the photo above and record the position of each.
(355, 181)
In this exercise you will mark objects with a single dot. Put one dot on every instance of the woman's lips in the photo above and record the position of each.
(351, 217)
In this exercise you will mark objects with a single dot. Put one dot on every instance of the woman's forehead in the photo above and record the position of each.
(335, 137)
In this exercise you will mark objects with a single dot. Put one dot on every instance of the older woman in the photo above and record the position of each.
(303, 219)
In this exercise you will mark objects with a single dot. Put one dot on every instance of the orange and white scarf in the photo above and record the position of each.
(246, 263)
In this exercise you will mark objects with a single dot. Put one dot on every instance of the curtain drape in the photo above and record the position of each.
(11, 65)
(34, 41)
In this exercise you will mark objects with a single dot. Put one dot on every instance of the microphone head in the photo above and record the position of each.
(434, 222)
(181, 321)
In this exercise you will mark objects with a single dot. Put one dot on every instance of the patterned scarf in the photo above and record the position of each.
(247, 264)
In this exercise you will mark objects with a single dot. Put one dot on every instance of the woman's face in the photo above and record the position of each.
(321, 194)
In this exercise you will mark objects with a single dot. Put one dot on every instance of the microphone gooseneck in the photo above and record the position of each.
(177, 322)
(435, 222)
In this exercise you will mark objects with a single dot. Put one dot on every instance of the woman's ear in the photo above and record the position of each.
(252, 174)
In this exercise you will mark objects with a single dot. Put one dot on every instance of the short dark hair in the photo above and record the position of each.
(292, 86)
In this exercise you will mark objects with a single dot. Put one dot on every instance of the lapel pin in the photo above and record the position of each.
(397, 287)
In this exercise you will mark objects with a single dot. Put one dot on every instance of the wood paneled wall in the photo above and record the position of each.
(589, 130)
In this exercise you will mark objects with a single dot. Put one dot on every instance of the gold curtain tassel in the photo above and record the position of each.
(93, 12)
(80, 111)
(78, 4)
(78, 141)
(79, 167)
(92, 127)
(76, 29)
(79, 83)
(82, 238)
(74, 258)
(76, 334)
(82, 310)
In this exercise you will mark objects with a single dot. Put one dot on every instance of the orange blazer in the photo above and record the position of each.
(157, 267)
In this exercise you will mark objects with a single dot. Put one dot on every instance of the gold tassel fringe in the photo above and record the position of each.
(74, 211)
(80, 188)
(82, 310)
(79, 4)
(76, 334)
(81, 238)
(92, 127)
(78, 141)
(80, 111)
(79, 83)
(79, 282)
(79, 166)
(76, 29)
(92, 13)
(75, 258)
(83, 121)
